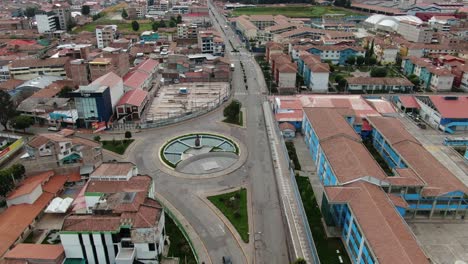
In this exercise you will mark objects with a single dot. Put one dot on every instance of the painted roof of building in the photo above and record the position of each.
(409, 101)
(110, 79)
(424, 165)
(388, 235)
(148, 66)
(286, 125)
(30, 183)
(35, 251)
(15, 219)
(136, 79)
(384, 107)
(112, 169)
(134, 97)
(451, 108)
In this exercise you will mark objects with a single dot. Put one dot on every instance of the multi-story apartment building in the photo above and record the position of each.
(336, 54)
(313, 71)
(431, 77)
(187, 31)
(53, 150)
(415, 32)
(210, 42)
(105, 35)
(47, 22)
(123, 224)
(33, 68)
(4, 71)
(62, 10)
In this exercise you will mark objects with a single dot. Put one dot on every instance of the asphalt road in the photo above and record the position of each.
(267, 232)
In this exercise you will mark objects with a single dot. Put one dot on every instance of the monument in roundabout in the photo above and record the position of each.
(200, 153)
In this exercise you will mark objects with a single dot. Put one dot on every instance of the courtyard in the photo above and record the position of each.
(179, 99)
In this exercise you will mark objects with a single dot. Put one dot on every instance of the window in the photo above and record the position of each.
(151, 246)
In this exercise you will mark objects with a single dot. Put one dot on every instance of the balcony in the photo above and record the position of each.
(125, 256)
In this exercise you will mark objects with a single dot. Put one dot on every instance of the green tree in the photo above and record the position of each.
(162, 23)
(17, 170)
(7, 109)
(30, 11)
(172, 23)
(378, 72)
(124, 14)
(155, 26)
(22, 122)
(342, 84)
(6, 182)
(179, 19)
(231, 112)
(64, 92)
(97, 138)
(135, 25)
(85, 10)
(338, 78)
(300, 261)
(351, 60)
(372, 60)
(360, 60)
(128, 134)
(414, 79)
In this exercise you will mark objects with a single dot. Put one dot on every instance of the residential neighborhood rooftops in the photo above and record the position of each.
(39, 62)
(35, 251)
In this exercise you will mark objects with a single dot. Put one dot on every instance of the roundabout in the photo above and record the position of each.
(201, 154)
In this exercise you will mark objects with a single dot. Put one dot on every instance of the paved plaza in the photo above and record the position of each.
(177, 99)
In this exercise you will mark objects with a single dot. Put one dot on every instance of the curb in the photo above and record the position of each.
(226, 221)
(193, 234)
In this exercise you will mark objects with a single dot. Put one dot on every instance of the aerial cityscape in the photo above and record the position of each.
(243, 131)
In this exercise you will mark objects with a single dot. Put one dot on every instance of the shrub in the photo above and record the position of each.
(97, 138)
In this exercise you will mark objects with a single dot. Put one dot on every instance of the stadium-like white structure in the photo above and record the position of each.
(389, 23)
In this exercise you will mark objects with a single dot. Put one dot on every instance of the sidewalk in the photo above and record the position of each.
(308, 167)
(295, 223)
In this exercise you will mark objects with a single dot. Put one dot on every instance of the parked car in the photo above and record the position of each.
(422, 125)
(227, 260)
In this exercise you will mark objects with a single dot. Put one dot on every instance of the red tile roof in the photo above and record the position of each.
(15, 219)
(327, 123)
(388, 235)
(286, 125)
(147, 66)
(451, 108)
(426, 166)
(10, 84)
(409, 101)
(136, 79)
(110, 79)
(30, 183)
(35, 251)
(134, 97)
(55, 184)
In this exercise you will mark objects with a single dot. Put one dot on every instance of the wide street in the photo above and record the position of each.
(267, 233)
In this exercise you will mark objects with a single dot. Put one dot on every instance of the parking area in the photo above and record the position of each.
(444, 243)
(178, 99)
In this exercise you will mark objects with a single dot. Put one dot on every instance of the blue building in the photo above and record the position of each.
(149, 36)
(93, 104)
(336, 54)
(427, 186)
(371, 228)
(367, 205)
(447, 113)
